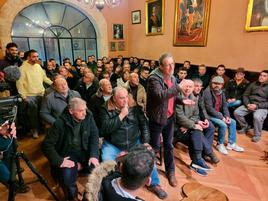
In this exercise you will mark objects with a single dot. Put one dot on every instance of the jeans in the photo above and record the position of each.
(222, 130)
(235, 103)
(259, 116)
(110, 152)
(167, 131)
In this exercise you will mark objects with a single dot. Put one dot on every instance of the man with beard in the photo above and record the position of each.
(217, 109)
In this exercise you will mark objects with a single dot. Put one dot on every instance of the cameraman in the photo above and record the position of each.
(7, 133)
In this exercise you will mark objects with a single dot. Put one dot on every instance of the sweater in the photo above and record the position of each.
(31, 80)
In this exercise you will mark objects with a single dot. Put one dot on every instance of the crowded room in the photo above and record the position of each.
(120, 100)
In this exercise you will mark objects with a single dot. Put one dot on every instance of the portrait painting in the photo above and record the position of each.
(154, 17)
(191, 22)
(257, 15)
(118, 31)
(136, 17)
(121, 46)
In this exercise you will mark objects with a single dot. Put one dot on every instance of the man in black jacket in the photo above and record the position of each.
(255, 101)
(123, 126)
(72, 144)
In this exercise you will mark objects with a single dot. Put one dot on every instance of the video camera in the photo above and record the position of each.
(7, 108)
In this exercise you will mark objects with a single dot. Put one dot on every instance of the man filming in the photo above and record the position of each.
(7, 133)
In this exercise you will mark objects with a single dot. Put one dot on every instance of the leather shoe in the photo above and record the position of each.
(172, 179)
(158, 191)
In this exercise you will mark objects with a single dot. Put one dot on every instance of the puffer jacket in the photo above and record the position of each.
(123, 134)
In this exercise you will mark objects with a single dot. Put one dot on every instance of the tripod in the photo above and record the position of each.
(15, 168)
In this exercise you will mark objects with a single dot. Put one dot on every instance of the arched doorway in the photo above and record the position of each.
(55, 30)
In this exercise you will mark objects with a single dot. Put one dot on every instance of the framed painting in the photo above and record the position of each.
(257, 15)
(121, 46)
(154, 17)
(191, 22)
(112, 46)
(136, 17)
(118, 31)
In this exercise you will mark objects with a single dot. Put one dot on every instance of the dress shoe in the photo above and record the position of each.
(172, 179)
(158, 191)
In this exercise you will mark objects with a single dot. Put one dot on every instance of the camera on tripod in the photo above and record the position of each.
(8, 113)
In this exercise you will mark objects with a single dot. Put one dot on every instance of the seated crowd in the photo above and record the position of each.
(128, 102)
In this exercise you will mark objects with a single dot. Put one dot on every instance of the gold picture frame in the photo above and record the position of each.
(257, 15)
(191, 23)
(155, 17)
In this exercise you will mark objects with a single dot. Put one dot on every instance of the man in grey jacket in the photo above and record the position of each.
(255, 101)
(54, 103)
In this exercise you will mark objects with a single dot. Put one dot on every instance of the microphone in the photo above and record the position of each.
(12, 73)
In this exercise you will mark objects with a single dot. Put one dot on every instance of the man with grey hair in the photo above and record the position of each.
(54, 103)
(161, 92)
(72, 144)
(123, 126)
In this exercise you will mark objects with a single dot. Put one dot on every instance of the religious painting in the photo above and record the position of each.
(118, 31)
(121, 46)
(112, 46)
(257, 15)
(191, 22)
(136, 17)
(154, 17)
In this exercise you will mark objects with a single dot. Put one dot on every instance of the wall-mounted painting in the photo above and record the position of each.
(154, 17)
(112, 46)
(257, 15)
(121, 46)
(118, 31)
(136, 17)
(191, 22)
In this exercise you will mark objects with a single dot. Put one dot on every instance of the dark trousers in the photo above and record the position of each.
(208, 139)
(67, 176)
(167, 131)
(197, 142)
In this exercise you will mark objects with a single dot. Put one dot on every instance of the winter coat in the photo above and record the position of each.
(256, 94)
(210, 102)
(57, 142)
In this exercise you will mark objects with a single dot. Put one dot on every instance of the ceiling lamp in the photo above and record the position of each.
(101, 3)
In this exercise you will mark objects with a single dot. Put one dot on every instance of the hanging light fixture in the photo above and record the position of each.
(101, 3)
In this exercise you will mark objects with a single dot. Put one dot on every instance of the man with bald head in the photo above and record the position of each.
(97, 100)
(123, 125)
(136, 90)
(54, 103)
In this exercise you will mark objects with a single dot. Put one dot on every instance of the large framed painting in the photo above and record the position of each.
(257, 15)
(154, 17)
(191, 22)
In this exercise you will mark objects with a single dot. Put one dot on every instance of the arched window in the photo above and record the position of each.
(55, 30)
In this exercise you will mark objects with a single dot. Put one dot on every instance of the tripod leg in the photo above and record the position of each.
(40, 178)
